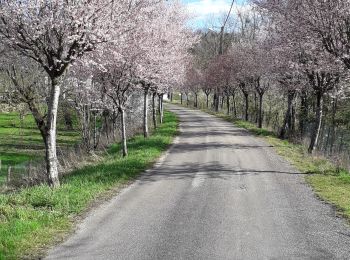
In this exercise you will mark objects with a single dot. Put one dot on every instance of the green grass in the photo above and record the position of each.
(21, 141)
(31, 218)
(330, 182)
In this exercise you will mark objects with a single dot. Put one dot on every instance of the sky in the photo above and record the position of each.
(208, 12)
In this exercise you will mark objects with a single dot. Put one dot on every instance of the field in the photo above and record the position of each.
(20, 141)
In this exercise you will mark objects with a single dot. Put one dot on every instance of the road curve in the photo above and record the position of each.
(220, 193)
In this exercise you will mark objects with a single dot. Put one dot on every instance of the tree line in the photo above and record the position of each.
(294, 51)
(95, 56)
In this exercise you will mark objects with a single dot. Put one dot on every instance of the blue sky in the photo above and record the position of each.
(208, 12)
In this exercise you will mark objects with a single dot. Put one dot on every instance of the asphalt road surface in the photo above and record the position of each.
(220, 193)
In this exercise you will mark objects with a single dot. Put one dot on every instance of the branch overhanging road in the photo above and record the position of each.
(220, 193)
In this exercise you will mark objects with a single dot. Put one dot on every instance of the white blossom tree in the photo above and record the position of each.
(54, 34)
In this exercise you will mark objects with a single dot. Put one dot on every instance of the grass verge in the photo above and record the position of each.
(330, 183)
(34, 218)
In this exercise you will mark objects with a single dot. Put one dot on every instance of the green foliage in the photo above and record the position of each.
(31, 218)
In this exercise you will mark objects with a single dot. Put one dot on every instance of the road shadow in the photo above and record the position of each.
(211, 170)
(191, 134)
(193, 147)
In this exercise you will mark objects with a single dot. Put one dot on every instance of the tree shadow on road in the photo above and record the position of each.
(193, 147)
(211, 170)
(216, 133)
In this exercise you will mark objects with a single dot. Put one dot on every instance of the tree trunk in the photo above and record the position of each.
(321, 135)
(39, 120)
(246, 98)
(328, 137)
(234, 106)
(114, 123)
(154, 111)
(228, 104)
(256, 108)
(333, 135)
(207, 101)
(316, 131)
(304, 107)
(196, 100)
(86, 128)
(95, 130)
(216, 102)
(292, 123)
(287, 123)
(181, 98)
(341, 144)
(260, 119)
(122, 121)
(105, 126)
(160, 108)
(145, 112)
(51, 155)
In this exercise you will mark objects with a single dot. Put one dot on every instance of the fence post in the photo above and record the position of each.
(8, 175)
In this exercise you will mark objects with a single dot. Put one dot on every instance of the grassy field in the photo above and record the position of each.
(20, 140)
(34, 218)
(330, 182)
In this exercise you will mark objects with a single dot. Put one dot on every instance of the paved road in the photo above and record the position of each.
(219, 194)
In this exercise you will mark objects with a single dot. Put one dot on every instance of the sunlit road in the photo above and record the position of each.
(220, 194)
